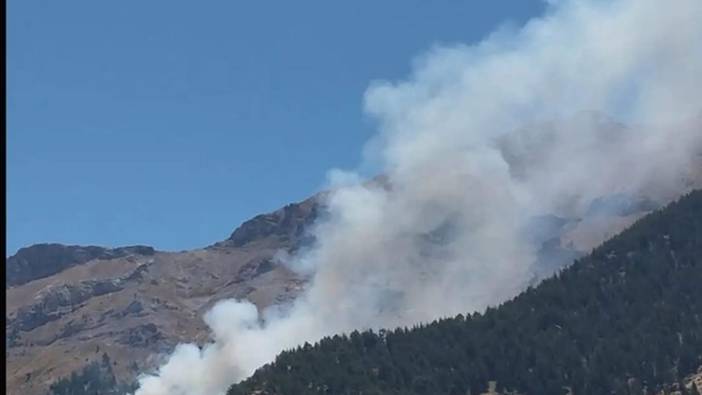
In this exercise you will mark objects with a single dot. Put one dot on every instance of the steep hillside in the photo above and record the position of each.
(625, 319)
(71, 307)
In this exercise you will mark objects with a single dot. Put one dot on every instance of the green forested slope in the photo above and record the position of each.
(631, 312)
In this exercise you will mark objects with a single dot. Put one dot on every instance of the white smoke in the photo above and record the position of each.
(479, 140)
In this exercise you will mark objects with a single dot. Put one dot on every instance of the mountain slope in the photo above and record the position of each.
(43, 260)
(630, 312)
(69, 307)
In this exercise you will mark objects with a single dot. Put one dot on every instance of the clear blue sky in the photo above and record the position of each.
(168, 123)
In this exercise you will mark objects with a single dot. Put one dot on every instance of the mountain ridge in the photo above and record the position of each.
(26, 264)
(67, 306)
(628, 312)
(156, 298)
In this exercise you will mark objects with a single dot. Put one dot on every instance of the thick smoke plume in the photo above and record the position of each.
(594, 99)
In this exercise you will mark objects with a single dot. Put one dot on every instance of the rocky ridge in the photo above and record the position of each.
(68, 306)
(30, 263)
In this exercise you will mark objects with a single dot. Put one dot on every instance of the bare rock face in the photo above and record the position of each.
(42, 260)
(141, 336)
(67, 306)
(288, 225)
(57, 301)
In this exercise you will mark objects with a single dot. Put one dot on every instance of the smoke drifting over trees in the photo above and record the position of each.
(478, 141)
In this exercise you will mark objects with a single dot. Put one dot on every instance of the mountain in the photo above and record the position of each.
(70, 308)
(625, 319)
(43, 260)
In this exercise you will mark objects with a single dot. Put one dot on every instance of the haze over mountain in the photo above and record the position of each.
(121, 304)
(625, 320)
(501, 162)
(68, 306)
(138, 135)
(477, 142)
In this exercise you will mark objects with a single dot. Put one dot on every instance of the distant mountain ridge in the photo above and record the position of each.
(42, 260)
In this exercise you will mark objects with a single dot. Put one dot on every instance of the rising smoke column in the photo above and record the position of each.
(476, 142)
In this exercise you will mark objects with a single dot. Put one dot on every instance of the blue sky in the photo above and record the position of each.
(168, 123)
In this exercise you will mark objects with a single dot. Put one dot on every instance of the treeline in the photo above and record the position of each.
(97, 378)
(627, 319)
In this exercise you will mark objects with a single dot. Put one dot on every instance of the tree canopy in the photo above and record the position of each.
(626, 319)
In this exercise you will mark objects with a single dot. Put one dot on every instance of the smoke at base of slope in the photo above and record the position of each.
(466, 177)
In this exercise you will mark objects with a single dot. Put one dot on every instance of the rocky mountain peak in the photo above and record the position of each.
(287, 224)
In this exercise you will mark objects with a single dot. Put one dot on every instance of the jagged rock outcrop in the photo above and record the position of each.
(288, 225)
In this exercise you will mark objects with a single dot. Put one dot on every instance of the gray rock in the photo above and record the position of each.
(43, 260)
